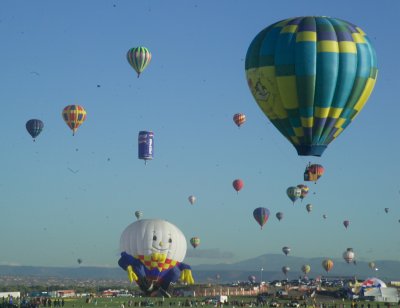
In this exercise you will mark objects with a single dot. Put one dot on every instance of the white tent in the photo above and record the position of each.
(389, 295)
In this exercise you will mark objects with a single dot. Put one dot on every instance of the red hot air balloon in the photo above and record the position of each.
(238, 185)
(239, 119)
(313, 172)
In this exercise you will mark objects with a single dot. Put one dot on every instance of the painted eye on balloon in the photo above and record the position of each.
(154, 238)
(170, 240)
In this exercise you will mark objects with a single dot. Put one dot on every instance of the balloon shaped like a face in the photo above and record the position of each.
(154, 239)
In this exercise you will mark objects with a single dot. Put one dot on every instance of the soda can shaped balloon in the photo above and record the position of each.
(146, 145)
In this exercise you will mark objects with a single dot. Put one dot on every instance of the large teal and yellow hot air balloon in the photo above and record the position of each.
(311, 76)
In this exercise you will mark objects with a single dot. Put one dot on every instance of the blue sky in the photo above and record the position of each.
(56, 53)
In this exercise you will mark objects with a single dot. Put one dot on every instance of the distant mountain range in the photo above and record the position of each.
(224, 273)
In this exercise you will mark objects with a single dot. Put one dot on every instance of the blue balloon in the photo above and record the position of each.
(34, 127)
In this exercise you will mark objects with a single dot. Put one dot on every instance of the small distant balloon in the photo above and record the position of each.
(279, 215)
(386, 210)
(306, 269)
(285, 269)
(138, 58)
(238, 184)
(304, 190)
(348, 255)
(192, 199)
(346, 223)
(74, 116)
(195, 241)
(327, 264)
(138, 214)
(146, 145)
(79, 261)
(293, 193)
(286, 250)
(372, 265)
(34, 127)
(252, 278)
(324, 216)
(239, 119)
(313, 172)
(309, 207)
(261, 215)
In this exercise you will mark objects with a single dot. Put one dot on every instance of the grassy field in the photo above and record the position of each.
(237, 301)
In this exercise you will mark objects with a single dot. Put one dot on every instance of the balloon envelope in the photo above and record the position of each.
(261, 215)
(195, 241)
(306, 269)
(252, 278)
(311, 76)
(327, 264)
(279, 215)
(304, 190)
(293, 193)
(313, 172)
(346, 223)
(74, 116)
(348, 255)
(286, 250)
(138, 214)
(309, 207)
(34, 127)
(285, 269)
(192, 199)
(239, 119)
(138, 58)
(237, 184)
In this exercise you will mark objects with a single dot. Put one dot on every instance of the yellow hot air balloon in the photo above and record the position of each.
(74, 116)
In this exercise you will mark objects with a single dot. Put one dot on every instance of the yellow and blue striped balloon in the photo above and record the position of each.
(311, 76)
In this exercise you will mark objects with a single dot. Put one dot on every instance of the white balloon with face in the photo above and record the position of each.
(157, 238)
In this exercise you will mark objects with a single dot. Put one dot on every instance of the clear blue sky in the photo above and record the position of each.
(187, 96)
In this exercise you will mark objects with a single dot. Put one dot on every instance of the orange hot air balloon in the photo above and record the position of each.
(74, 116)
(239, 119)
(327, 264)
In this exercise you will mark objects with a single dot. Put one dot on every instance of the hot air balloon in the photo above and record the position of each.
(34, 127)
(386, 210)
(346, 223)
(195, 241)
(313, 172)
(311, 76)
(285, 269)
(304, 191)
(237, 185)
(138, 58)
(152, 253)
(261, 215)
(348, 255)
(327, 264)
(324, 216)
(74, 116)
(252, 278)
(138, 214)
(192, 199)
(372, 265)
(279, 215)
(286, 250)
(239, 119)
(309, 207)
(79, 260)
(293, 193)
(146, 145)
(306, 269)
